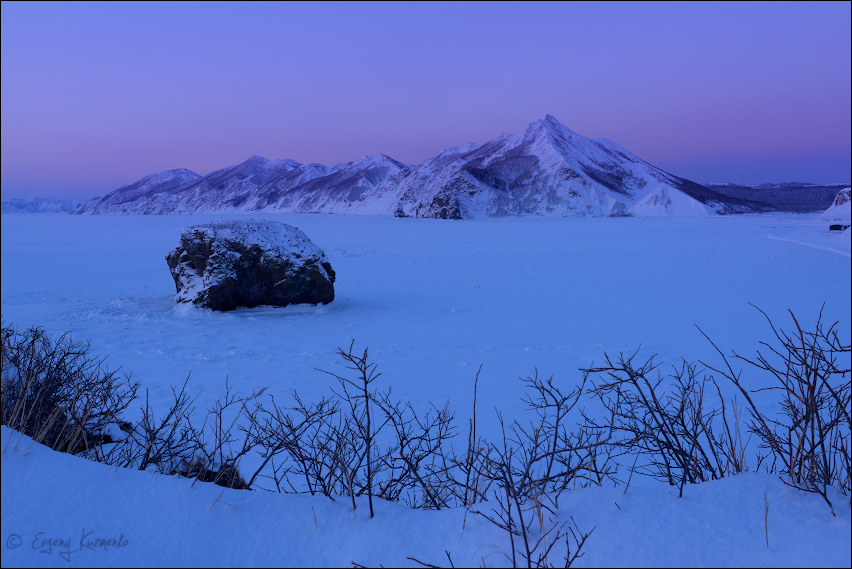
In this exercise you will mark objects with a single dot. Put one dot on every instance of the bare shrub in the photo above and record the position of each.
(301, 439)
(358, 442)
(58, 394)
(418, 464)
(666, 421)
(810, 442)
(358, 430)
(530, 468)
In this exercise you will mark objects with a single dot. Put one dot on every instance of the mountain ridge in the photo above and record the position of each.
(545, 170)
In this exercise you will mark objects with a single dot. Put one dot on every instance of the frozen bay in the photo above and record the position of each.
(432, 299)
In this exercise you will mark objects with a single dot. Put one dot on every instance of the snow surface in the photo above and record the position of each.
(433, 300)
(53, 501)
(280, 238)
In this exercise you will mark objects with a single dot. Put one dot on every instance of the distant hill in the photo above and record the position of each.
(789, 196)
(40, 205)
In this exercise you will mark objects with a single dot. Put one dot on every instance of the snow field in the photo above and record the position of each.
(432, 300)
(168, 521)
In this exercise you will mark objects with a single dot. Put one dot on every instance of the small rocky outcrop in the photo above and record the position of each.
(841, 209)
(228, 264)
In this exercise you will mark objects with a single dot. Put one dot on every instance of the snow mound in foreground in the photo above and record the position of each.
(59, 509)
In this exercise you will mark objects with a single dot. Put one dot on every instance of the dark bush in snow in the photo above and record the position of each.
(57, 393)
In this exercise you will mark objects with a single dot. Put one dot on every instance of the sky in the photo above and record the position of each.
(98, 95)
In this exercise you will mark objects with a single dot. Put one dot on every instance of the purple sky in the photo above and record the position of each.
(97, 95)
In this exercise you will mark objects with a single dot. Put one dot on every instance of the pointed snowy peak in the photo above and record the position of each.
(550, 122)
(550, 126)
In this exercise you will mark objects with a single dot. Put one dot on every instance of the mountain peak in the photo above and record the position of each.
(552, 124)
(255, 159)
(167, 175)
(372, 158)
(549, 121)
(549, 125)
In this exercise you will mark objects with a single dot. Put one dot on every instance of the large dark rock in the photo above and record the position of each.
(227, 264)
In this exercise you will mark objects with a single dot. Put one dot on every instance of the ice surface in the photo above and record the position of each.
(432, 299)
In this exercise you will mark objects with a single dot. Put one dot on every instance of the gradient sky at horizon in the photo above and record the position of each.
(97, 95)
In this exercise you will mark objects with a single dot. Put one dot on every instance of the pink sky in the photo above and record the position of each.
(97, 95)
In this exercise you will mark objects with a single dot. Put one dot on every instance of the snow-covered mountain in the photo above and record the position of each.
(352, 187)
(140, 196)
(257, 184)
(40, 205)
(546, 170)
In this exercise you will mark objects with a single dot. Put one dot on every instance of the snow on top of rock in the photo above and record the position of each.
(281, 238)
(841, 209)
(843, 196)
